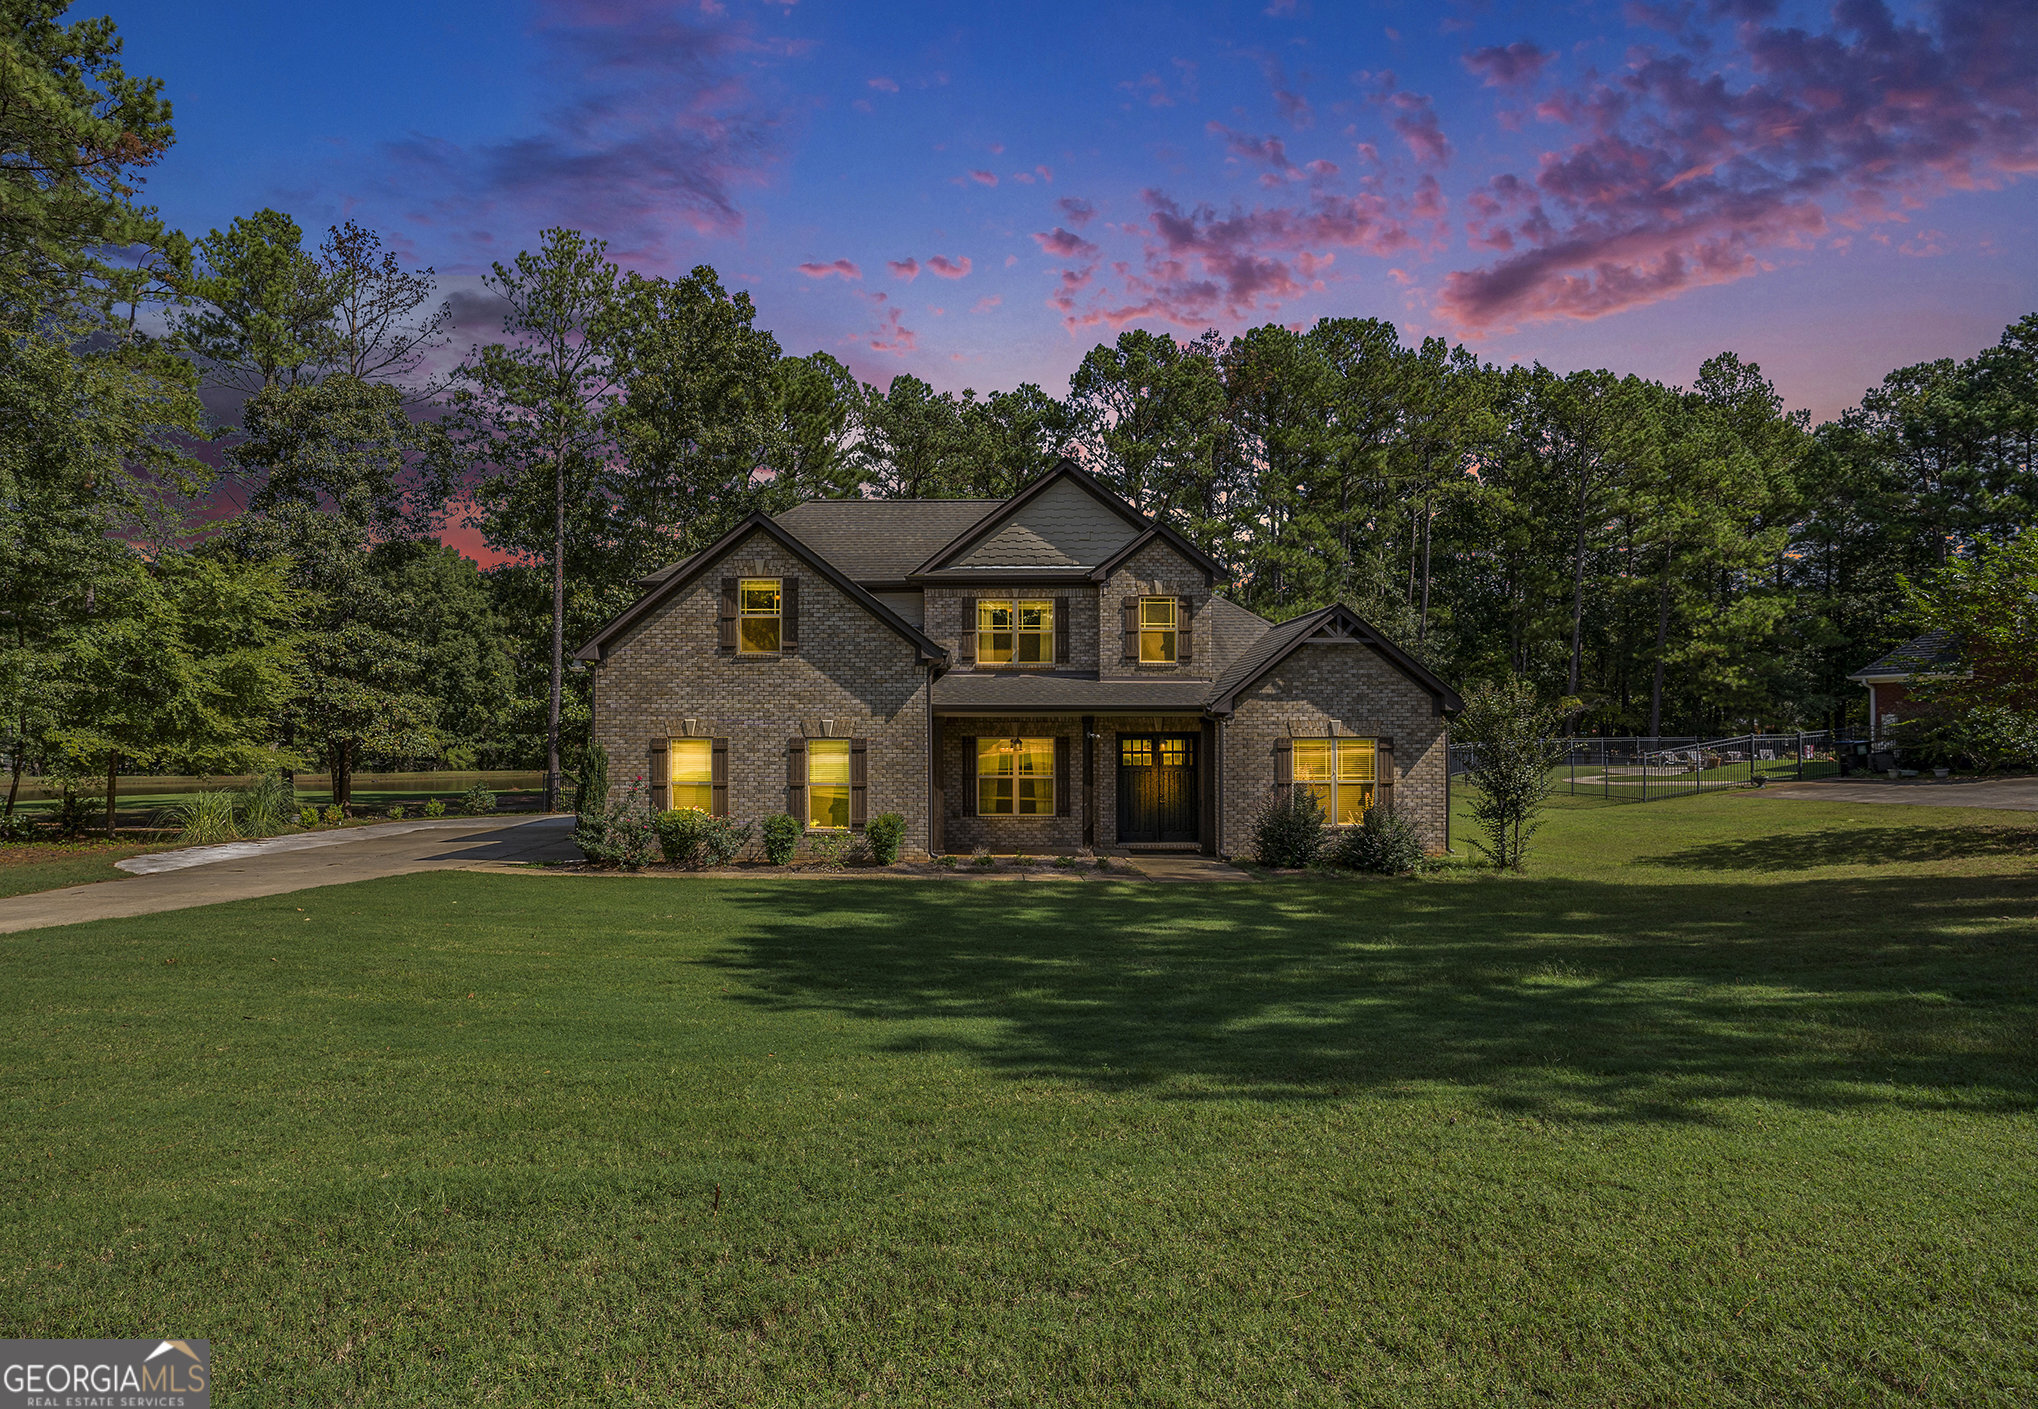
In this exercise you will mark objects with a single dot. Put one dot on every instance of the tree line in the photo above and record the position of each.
(268, 586)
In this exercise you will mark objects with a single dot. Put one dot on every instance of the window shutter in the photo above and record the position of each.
(1383, 770)
(727, 640)
(859, 783)
(656, 777)
(789, 614)
(1061, 775)
(1185, 630)
(1132, 628)
(1061, 630)
(1284, 763)
(796, 779)
(966, 643)
(720, 777)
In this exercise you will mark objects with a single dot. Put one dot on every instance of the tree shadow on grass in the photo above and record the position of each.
(1855, 846)
(1566, 999)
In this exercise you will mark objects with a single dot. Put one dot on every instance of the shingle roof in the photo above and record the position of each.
(1934, 653)
(1233, 630)
(882, 540)
(1073, 693)
(1270, 644)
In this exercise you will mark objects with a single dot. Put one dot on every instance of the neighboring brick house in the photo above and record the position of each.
(1041, 673)
(1889, 678)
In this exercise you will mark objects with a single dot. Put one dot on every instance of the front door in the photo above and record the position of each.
(1157, 788)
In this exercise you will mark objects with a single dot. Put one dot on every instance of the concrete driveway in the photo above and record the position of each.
(2009, 794)
(178, 880)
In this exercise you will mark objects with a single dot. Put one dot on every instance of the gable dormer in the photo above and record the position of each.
(1064, 524)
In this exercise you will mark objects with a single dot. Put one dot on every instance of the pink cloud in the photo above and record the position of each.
(984, 178)
(907, 268)
(840, 269)
(1413, 118)
(1198, 265)
(1508, 66)
(947, 268)
(1079, 212)
(885, 85)
(1064, 244)
(987, 303)
(1679, 177)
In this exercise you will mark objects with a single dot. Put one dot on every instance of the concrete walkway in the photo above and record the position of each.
(2007, 794)
(178, 880)
(1183, 866)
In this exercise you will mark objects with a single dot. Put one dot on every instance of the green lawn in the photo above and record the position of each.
(1729, 1102)
(51, 865)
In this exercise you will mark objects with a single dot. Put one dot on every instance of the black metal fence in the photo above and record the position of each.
(1645, 768)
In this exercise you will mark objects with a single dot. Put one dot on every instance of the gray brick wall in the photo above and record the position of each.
(1156, 570)
(1334, 690)
(851, 677)
(963, 830)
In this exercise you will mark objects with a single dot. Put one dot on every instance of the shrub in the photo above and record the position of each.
(781, 837)
(397, 812)
(333, 816)
(1384, 843)
(307, 816)
(884, 832)
(263, 808)
(832, 849)
(435, 808)
(1289, 830)
(1513, 768)
(692, 838)
(203, 818)
(16, 826)
(591, 793)
(77, 813)
(477, 801)
(625, 834)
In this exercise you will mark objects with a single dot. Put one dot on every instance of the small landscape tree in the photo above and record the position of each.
(1514, 738)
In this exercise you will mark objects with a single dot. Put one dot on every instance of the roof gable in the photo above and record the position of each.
(1337, 624)
(1934, 653)
(1064, 526)
(1063, 512)
(669, 586)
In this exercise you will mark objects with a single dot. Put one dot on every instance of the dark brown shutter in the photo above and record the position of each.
(720, 777)
(727, 641)
(966, 643)
(1185, 630)
(789, 614)
(1132, 628)
(1383, 771)
(1284, 763)
(1061, 631)
(859, 783)
(1061, 775)
(659, 776)
(796, 779)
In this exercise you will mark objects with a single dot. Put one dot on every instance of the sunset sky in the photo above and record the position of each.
(977, 194)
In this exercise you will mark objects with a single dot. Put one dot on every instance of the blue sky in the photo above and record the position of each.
(978, 194)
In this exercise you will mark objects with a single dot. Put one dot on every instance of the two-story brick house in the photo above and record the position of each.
(1041, 673)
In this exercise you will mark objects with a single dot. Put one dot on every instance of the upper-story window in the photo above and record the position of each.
(1015, 632)
(759, 621)
(1158, 635)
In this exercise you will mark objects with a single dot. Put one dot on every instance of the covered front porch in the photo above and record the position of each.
(1039, 782)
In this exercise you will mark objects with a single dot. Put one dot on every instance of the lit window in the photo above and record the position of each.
(1339, 773)
(1015, 777)
(1135, 753)
(757, 615)
(1157, 630)
(1010, 633)
(692, 765)
(828, 783)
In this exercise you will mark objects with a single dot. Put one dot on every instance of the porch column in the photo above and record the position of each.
(1090, 780)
